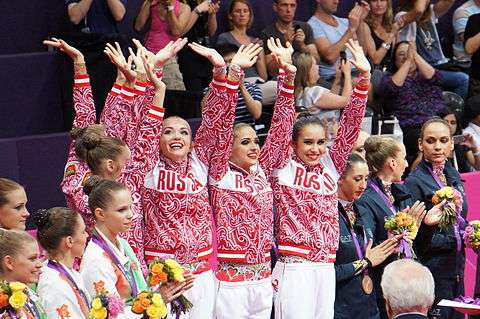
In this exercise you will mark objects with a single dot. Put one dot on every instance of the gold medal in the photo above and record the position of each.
(367, 284)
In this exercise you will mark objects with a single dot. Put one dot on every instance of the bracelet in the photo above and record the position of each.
(476, 153)
(369, 263)
(386, 45)
(198, 12)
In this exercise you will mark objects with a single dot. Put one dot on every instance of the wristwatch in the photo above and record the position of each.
(198, 12)
(386, 45)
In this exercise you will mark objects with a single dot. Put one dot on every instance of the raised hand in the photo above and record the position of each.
(365, 9)
(168, 52)
(212, 55)
(354, 17)
(152, 76)
(359, 59)
(116, 57)
(137, 60)
(247, 56)
(283, 53)
(63, 46)
(434, 215)
(379, 253)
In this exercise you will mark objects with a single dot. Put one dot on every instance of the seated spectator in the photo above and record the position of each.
(472, 110)
(424, 32)
(168, 20)
(249, 103)
(331, 33)
(408, 289)
(459, 21)
(414, 92)
(465, 156)
(285, 28)
(317, 99)
(202, 24)
(472, 45)
(240, 16)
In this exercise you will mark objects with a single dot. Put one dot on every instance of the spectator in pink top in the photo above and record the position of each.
(166, 21)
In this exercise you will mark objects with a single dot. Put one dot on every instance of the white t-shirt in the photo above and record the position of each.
(308, 98)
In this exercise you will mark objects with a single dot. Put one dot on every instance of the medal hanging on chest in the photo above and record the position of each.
(428, 40)
(367, 283)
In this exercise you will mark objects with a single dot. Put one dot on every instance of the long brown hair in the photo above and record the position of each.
(250, 9)
(387, 20)
(303, 62)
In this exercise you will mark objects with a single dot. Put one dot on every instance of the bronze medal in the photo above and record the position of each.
(367, 284)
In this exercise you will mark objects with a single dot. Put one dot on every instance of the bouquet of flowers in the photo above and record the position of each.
(452, 207)
(471, 236)
(403, 224)
(13, 297)
(150, 305)
(105, 305)
(168, 270)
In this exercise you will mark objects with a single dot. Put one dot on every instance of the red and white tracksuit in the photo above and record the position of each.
(242, 202)
(307, 220)
(124, 117)
(177, 212)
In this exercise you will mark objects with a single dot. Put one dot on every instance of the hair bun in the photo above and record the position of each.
(41, 217)
(91, 183)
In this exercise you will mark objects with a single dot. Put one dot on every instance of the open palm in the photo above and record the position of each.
(63, 46)
(359, 59)
(212, 55)
(247, 56)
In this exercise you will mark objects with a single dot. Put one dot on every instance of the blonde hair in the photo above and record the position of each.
(303, 62)
(378, 149)
(6, 187)
(11, 243)
(387, 19)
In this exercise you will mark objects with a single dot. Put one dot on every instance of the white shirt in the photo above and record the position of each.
(474, 130)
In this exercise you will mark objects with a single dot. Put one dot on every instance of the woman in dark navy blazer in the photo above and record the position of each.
(441, 250)
(384, 196)
(354, 294)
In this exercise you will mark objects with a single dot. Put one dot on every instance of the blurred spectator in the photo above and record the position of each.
(472, 45)
(165, 21)
(472, 110)
(249, 103)
(465, 156)
(96, 16)
(285, 28)
(240, 18)
(459, 21)
(317, 99)
(414, 94)
(95, 24)
(359, 146)
(202, 24)
(331, 33)
(408, 289)
(424, 32)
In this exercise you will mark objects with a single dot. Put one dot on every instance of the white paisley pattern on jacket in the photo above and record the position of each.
(306, 196)
(178, 216)
(242, 201)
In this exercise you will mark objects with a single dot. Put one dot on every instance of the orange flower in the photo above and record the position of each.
(145, 302)
(435, 200)
(63, 312)
(142, 295)
(154, 280)
(3, 300)
(99, 286)
(137, 307)
(157, 268)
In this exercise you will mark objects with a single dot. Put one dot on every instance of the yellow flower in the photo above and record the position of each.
(172, 264)
(157, 300)
(157, 268)
(17, 300)
(97, 304)
(99, 314)
(154, 312)
(178, 275)
(17, 286)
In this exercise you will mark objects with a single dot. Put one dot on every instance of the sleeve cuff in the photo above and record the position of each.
(128, 94)
(140, 88)
(287, 90)
(116, 90)
(156, 112)
(232, 86)
(81, 80)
